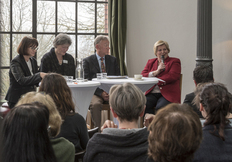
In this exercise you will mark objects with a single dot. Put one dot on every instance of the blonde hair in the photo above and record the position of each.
(55, 120)
(160, 43)
(127, 101)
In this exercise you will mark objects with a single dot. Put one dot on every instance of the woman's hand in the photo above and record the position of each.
(160, 69)
(148, 119)
(105, 96)
(108, 124)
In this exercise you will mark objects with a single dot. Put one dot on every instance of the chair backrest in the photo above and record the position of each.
(181, 75)
(91, 132)
(79, 156)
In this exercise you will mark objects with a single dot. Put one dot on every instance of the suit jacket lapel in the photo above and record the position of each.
(34, 66)
(155, 66)
(107, 62)
(95, 62)
(24, 65)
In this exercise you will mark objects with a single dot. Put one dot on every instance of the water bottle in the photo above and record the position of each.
(79, 70)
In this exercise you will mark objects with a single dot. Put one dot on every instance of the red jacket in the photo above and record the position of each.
(171, 88)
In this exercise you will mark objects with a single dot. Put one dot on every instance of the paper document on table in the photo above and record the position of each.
(117, 77)
(153, 78)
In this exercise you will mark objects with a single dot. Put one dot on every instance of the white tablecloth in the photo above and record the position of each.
(82, 94)
(144, 84)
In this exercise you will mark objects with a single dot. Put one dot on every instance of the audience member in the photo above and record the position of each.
(63, 149)
(214, 102)
(93, 65)
(25, 136)
(57, 60)
(74, 126)
(201, 74)
(175, 134)
(127, 142)
(165, 68)
(23, 74)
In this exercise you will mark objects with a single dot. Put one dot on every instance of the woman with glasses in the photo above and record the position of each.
(23, 74)
(165, 68)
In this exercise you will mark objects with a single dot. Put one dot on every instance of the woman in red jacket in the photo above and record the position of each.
(165, 68)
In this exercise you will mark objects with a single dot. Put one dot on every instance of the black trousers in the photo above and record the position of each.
(155, 100)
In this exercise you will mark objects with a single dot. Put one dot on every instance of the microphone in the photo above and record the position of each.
(162, 60)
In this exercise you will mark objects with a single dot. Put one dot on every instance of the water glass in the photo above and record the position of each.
(70, 79)
(104, 75)
(99, 75)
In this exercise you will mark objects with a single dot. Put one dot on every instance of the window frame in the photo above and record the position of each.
(34, 32)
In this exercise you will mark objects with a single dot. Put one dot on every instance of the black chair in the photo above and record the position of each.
(91, 132)
(79, 156)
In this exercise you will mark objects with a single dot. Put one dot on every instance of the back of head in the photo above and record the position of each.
(25, 130)
(55, 120)
(127, 101)
(55, 85)
(175, 134)
(203, 74)
(216, 101)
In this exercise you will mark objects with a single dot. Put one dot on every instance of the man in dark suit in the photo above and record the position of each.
(99, 62)
(201, 74)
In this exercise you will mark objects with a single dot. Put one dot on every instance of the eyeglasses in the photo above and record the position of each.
(34, 48)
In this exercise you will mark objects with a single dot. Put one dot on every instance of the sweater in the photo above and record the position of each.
(119, 145)
(63, 149)
(212, 148)
(74, 129)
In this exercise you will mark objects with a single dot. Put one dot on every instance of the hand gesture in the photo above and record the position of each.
(105, 96)
(108, 124)
(148, 119)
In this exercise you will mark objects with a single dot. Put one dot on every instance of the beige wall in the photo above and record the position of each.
(175, 21)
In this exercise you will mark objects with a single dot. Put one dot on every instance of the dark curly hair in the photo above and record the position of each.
(216, 100)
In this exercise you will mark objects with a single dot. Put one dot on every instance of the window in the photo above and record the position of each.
(82, 20)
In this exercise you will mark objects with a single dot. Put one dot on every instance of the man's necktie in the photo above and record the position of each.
(103, 65)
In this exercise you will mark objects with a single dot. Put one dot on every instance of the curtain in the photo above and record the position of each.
(117, 20)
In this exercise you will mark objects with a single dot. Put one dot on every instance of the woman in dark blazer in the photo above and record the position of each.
(165, 68)
(57, 60)
(24, 75)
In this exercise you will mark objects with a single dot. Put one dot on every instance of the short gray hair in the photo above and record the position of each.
(61, 39)
(127, 101)
(99, 38)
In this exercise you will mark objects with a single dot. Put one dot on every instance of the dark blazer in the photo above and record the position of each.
(170, 89)
(91, 68)
(188, 100)
(21, 80)
(50, 63)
